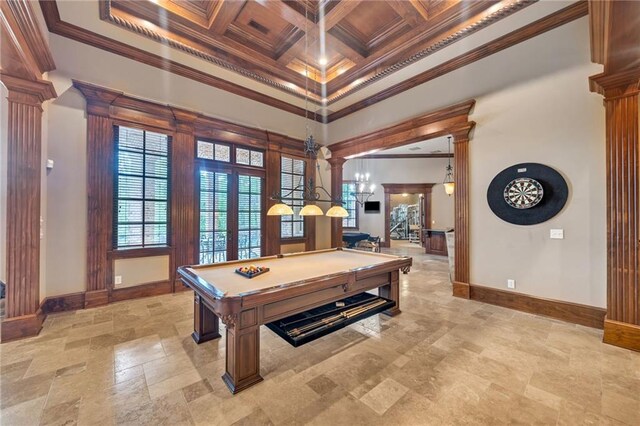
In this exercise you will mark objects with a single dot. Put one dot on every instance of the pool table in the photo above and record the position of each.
(295, 283)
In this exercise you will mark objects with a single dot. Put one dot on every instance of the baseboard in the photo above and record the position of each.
(144, 290)
(21, 327)
(179, 286)
(575, 313)
(95, 298)
(622, 334)
(65, 302)
(460, 289)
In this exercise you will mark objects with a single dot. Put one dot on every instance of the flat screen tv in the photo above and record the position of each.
(372, 207)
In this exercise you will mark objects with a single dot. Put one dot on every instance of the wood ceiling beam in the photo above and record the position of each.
(419, 7)
(227, 13)
(338, 12)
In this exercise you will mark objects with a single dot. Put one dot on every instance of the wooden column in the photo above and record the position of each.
(461, 209)
(272, 186)
(310, 221)
(336, 191)
(183, 202)
(622, 324)
(100, 154)
(24, 164)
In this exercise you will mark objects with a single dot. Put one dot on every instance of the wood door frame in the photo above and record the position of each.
(404, 188)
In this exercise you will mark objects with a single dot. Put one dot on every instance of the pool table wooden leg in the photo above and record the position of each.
(391, 291)
(205, 322)
(243, 354)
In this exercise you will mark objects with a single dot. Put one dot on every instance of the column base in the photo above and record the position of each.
(622, 334)
(21, 327)
(242, 385)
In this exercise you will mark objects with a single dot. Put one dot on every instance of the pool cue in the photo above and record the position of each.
(349, 313)
(331, 324)
(353, 305)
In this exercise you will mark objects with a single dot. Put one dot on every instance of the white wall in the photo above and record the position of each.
(419, 170)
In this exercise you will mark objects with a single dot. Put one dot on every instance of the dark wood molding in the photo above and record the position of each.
(21, 326)
(143, 290)
(95, 298)
(59, 27)
(23, 38)
(461, 290)
(403, 156)
(621, 334)
(461, 206)
(570, 13)
(404, 188)
(24, 171)
(63, 303)
(336, 164)
(441, 122)
(588, 316)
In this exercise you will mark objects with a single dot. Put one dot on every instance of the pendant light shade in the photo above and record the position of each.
(449, 187)
(311, 210)
(337, 211)
(280, 209)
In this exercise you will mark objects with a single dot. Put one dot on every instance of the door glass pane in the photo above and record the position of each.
(249, 223)
(213, 216)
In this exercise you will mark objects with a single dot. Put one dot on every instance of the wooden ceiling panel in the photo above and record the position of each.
(364, 40)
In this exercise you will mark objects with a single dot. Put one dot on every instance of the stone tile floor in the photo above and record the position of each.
(442, 361)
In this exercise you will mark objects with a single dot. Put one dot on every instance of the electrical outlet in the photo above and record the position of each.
(118, 279)
(511, 284)
(556, 234)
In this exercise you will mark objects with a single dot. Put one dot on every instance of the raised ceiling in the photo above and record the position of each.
(355, 53)
(349, 42)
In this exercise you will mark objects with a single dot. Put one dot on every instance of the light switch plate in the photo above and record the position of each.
(557, 234)
(118, 279)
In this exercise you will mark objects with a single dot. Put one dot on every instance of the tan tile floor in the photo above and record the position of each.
(442, 361)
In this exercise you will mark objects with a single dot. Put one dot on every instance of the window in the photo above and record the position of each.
(141, 191)
(350, 204)
(249, 220)
(214, 151)
(292, 175)
(249, 157)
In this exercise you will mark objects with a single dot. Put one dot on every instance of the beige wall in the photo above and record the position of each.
(67, 192)
(419, 170)
(142, 270)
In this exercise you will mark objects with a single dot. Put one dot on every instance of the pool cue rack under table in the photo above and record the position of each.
(315, 323)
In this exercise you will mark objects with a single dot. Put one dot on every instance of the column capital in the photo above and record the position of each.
(619, 84)
(461, 133)
(98, 98)
(185, 120)
(336, 161)
(31, 92)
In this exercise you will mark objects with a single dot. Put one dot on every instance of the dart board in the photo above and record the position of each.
(527, 194)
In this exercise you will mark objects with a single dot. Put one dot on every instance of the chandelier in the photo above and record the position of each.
(310, 192)
(449, 184)
(364, 190)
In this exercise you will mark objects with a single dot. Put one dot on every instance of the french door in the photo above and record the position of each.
(230, 222)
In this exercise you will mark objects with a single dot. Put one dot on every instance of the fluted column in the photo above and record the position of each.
(336, 192)
(622, 325)
(100, 156)
(24, 163)
(183, 203)
(461, 206)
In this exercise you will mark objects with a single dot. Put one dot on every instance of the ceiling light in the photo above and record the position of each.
(337, 211)
(280, 209)
(322, 61)
(449, 184)
(311, 210)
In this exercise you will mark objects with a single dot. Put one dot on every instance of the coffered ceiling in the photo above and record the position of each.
(350, 45)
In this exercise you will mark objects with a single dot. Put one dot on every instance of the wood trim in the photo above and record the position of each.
(96, 298)
(621, 334)
(402, 188)
(568, 14)
(336, 164)
(598, 29)
(141, 252)
(272, 231)
(143, 290)
(403, 156)
(430, 125)
(310, 221)
(461, 207)
(25, 38)
(461, 290)
(63, 303)
(59, 27)
(21, 326)
(588, 316)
